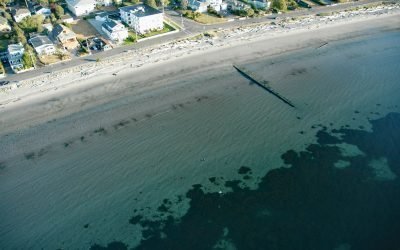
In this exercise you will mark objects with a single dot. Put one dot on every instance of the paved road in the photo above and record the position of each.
(190, 28)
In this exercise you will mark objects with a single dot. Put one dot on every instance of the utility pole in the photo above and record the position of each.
(182, 22)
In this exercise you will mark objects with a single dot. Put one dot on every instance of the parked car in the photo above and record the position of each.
(2, 83)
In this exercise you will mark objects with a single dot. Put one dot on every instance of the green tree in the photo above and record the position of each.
(163, 2)
(249, 12)
(3, 3)
(19, 34)
(279, 4)
(135, 1)
(8, 16)
(27, 60)
(151, 3)
(53, 18)
(59, 11)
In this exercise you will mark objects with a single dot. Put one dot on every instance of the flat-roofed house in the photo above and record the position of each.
(4, 25)
(81, 7)
(142, 18)
(42, 45)
(65, 36)
(14, 56)
(20, 14)
(116, 31)
(40, 10)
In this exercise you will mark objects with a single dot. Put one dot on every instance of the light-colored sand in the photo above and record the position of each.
(152, 80)
(58, 94)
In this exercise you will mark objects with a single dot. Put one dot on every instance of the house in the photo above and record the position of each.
(14, 56)
(116, 31)
(101, 16)
(65, 36)
(261, 4)
(198, 6)
(142, 18)
(67, 18)
(48, 27)
(238, 6)
(42, 45)
(104, 2)
(4, 26)
(40, 10)
(19, 14)
(202, 5)
(81, 7)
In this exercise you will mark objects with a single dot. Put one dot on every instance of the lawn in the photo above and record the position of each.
(167, 28)
(84, 29)
(203, 18)
(50, 59)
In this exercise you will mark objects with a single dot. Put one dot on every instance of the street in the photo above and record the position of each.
(191, 28)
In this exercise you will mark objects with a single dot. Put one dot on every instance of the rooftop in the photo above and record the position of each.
(62, 32)
(39, 41)
(18, 47)
(110, 24)
(140, 10)
(80, 2)
(16, 12)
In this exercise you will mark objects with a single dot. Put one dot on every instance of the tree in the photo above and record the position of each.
(19, 34)
(53, 18)
(184, 4)
(249, 12)
(58, 11)
(163, 2)
(3, 3)
(279, 4)
(151, 3)
(27, 60)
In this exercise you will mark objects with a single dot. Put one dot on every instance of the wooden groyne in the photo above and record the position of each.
(263, 85)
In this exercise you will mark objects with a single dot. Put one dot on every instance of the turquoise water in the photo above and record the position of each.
(231, 168)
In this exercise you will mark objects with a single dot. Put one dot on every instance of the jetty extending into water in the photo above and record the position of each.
(262, 84)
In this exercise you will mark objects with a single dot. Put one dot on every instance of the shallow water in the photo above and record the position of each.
(319, 176)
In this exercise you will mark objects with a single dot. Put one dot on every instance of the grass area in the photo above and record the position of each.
(50, 59)
(167, 28)
(208, 19)
(84, 29)
(203, 18)
(4, 44)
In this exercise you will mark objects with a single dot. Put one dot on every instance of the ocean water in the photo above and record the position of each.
(232, 168)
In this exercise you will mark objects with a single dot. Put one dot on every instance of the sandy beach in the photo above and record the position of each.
(141, 74)
(80, 149)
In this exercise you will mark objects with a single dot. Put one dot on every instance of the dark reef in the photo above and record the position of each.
(310, 205)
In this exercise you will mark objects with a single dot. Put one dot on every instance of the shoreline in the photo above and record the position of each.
(41, 103)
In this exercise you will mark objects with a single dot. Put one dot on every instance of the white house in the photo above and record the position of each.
(142, 18)
(261, 4)
(81, 7)
(198, 6)
(19, 14)
(42, 45)
(202, 5)
(104, 2)
(4, 26)
(67, 18)
(40, 10)
(102, 16)
(115, 31)
(14, 56)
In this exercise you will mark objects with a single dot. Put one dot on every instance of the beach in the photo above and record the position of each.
(84, 149)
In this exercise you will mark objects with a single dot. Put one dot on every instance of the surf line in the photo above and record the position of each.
(263, 85)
